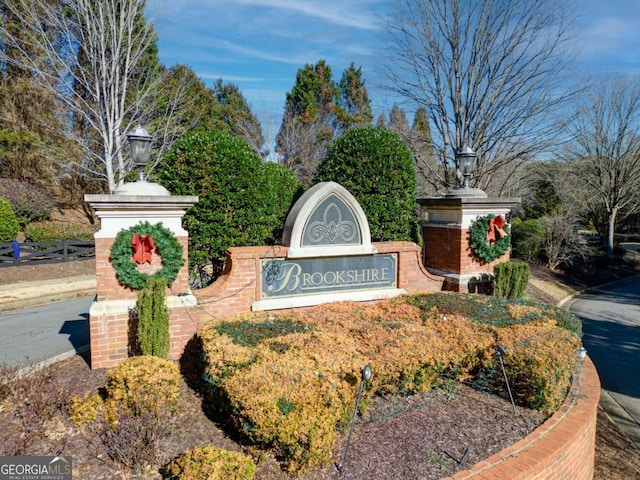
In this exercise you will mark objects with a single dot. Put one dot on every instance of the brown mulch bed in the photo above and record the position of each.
(422, 437)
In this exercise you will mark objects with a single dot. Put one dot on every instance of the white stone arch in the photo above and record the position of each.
(321, 209)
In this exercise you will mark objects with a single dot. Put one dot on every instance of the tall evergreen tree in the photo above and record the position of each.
(102, 45)
(421, 145)
(32, 133)
(232, 114)
(308, 124)
(354, 100)
(398, 122)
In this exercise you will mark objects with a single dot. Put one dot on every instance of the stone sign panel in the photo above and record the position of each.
(311, 276)
(329, 257)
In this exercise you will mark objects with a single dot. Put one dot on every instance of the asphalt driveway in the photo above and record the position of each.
(611, 325)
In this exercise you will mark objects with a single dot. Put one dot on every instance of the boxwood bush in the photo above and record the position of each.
(288, 379)
(144, 385)
(243, 200)
(377, 168)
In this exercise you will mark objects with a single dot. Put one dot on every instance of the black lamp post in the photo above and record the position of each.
(140, 143)
(466, 161)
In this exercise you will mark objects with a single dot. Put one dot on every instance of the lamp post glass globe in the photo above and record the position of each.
(140, 143)
(466, 161)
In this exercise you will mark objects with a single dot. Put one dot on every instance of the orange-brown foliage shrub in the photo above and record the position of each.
(289, 378)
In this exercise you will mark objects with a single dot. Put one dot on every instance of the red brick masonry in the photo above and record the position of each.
(240, 285)
(234, 292)
(563, 448)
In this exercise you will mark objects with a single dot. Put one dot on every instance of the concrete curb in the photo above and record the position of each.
(571, 296)
(33, 294)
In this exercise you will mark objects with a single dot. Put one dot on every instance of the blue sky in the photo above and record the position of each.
(260, 44)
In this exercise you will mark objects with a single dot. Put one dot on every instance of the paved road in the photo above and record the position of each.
(611, 326)
(34, 334)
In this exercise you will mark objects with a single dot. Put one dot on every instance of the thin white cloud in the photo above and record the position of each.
(348, 13)
(258, 54)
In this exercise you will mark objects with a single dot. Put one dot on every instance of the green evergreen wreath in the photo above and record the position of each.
(480, 246)
(167, 245)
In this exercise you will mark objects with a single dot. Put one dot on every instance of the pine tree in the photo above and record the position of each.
(354, 100)
(398, 122)
(421, 145)
(308, 124)
(232, 114)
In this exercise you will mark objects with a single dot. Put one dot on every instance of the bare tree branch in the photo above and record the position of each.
(488, 72)
(604, 155)
(112, 37)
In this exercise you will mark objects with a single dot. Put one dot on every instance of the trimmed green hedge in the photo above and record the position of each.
(243, 201)
(377, 168)
(57, 231)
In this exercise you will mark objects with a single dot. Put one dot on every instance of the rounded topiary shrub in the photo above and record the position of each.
(377, 168)
(144, 384)
(29, 202)
(9, 226)
(243, 201)
(211, 463)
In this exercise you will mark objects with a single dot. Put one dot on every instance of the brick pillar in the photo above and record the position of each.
(109, 318)
(446, 239)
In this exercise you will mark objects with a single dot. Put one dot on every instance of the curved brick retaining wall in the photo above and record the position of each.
(562, 448)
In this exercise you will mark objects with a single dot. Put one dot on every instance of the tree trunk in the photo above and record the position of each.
(611, 233)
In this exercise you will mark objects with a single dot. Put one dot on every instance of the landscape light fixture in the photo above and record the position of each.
(466, 159)
(365, 376)
(140, 144)
(366, 373)
(501, 352)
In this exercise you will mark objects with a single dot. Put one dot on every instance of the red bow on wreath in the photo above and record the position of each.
(495, 226)
(143, 246)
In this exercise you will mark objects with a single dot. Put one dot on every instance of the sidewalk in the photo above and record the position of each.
(30, 294)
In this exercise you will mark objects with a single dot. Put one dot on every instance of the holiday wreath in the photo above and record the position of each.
(490, 237)
(146, 237)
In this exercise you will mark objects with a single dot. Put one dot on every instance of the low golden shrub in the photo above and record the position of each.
(210, 463)
(144, 384)
(85, 409)
(289, 379)
(136, 414)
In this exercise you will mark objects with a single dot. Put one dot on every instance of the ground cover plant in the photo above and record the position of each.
(288, 379)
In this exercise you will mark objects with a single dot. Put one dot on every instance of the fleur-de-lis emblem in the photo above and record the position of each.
(332, 227)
